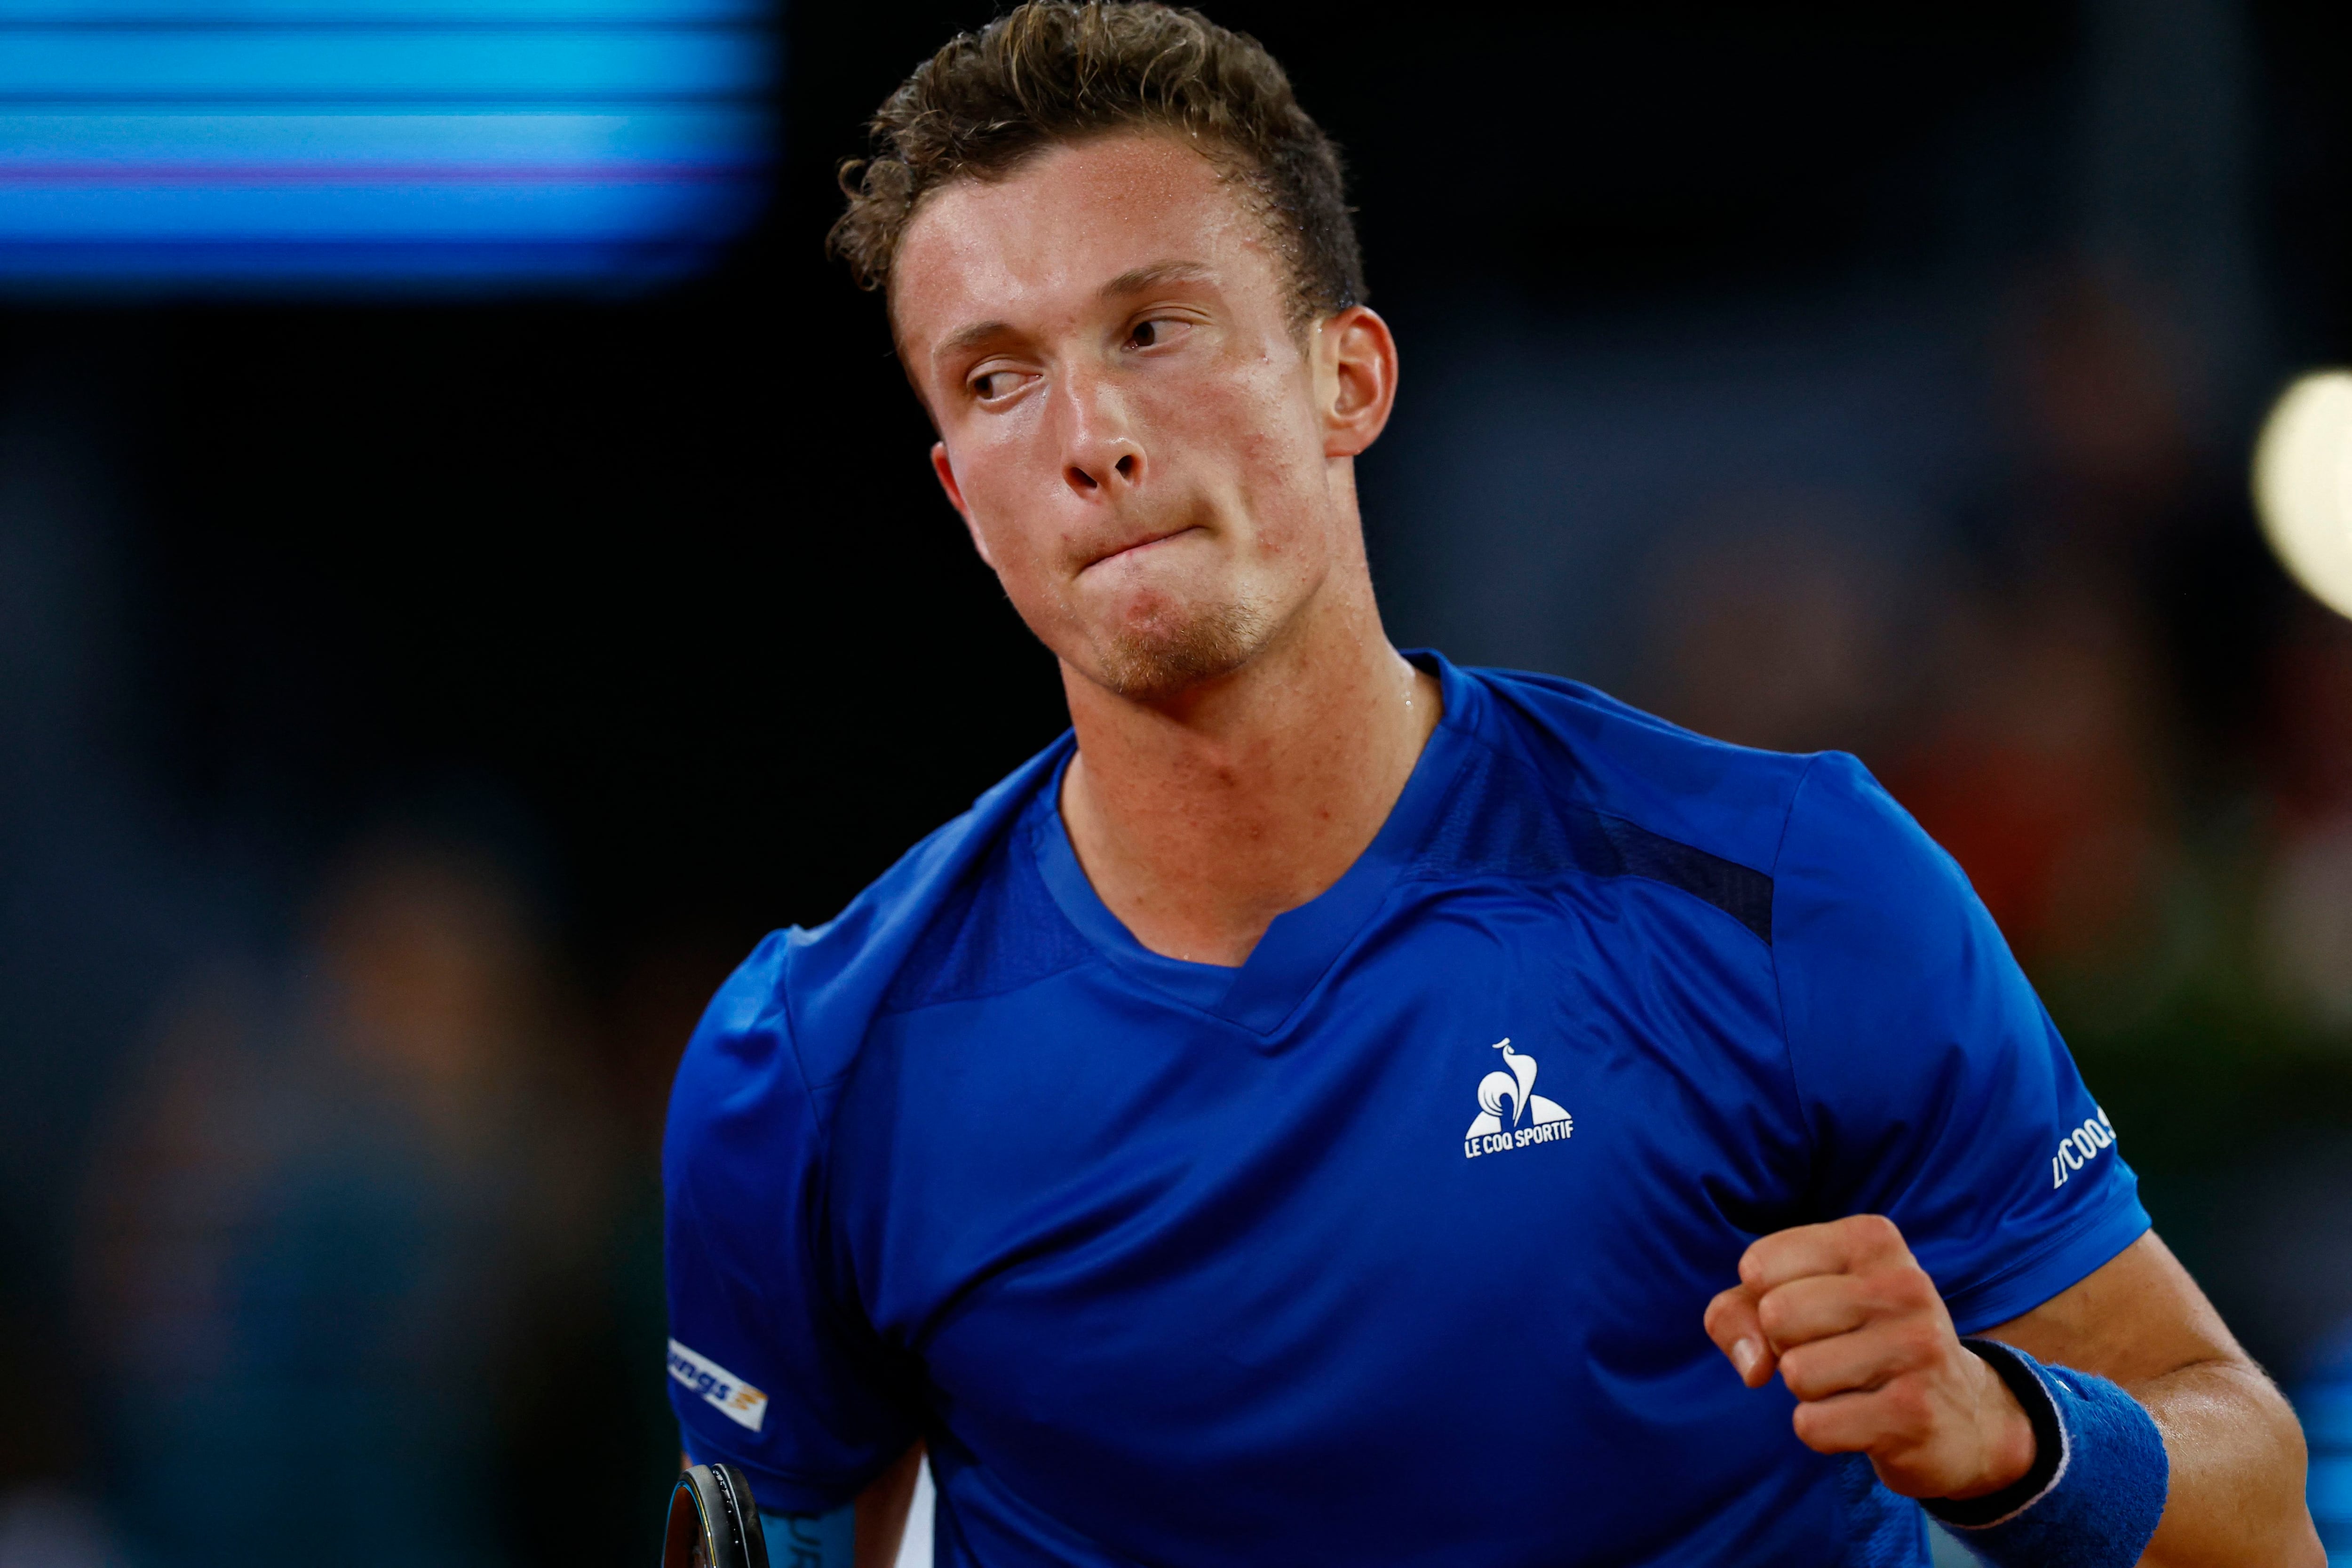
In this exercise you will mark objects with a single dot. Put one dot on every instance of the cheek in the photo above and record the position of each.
(1017, 527)
(1000, 478)
(1274, 458)
(1254, 425)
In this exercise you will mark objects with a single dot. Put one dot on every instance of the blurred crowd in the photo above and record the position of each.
(366, 1251)
(329, 1194)
(356, 1233)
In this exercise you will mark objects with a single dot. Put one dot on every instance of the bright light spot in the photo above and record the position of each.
(2303, 484)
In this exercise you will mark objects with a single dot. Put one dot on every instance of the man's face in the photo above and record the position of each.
(1154, 462)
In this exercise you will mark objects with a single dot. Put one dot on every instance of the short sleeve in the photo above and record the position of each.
(1934, 1087)
(772, 1365)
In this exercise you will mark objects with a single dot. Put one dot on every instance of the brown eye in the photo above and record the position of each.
(1146, 333)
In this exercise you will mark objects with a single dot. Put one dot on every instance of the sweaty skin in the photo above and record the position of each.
(1157, 460)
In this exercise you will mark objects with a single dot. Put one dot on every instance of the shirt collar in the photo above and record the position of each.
(1301, 944)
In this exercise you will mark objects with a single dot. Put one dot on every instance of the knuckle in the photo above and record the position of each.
(1904, 1293)
(1910, 1289)
(1922, 1345)
(1875, 1232)
(1805, 1375)
(1821, 1429)
(1905, 1407)
(1893, 1353)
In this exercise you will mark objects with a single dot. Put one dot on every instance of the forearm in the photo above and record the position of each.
(2237, 1463)
(882, 1510)
(2232, 1447)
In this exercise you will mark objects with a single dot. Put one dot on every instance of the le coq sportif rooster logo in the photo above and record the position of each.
(1511, 1114)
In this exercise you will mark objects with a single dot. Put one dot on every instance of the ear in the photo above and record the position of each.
(1355, 379)
(946, 471)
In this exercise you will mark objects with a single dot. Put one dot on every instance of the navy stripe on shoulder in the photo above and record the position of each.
(1500, 821)
(1741, 891)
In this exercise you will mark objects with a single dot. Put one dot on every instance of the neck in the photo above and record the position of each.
(1200, 819)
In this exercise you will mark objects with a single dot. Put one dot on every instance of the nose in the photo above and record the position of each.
(1100, 454)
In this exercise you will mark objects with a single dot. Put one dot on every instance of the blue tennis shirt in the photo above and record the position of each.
(1391, 1245)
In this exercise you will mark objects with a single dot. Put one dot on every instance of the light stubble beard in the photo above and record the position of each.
(1154, 667)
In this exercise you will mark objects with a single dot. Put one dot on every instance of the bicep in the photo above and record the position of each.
(2137, 1316)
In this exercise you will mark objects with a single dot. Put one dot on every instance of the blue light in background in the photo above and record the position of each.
(2324, 1401)
(356, 144)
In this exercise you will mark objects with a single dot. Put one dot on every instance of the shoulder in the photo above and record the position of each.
(1750, 805)
(782, 1033)
(1596, 752)
(1635, 795)
(1855, 867)
(739, 1083)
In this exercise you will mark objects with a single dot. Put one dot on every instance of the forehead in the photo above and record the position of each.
(1063, 224)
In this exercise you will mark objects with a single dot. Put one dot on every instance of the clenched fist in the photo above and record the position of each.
(1863, 1341)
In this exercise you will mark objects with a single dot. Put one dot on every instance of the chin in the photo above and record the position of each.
(1156, 664)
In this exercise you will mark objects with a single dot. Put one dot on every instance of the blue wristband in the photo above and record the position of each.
(2098, 1481)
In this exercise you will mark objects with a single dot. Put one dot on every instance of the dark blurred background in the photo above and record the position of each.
(410, 708)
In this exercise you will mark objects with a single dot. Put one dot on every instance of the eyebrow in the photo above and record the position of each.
(1137, 280)
(970, 337)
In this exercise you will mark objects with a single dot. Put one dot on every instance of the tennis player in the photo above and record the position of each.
(1338, 1107)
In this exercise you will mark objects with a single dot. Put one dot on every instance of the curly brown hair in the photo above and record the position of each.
(1051, 72)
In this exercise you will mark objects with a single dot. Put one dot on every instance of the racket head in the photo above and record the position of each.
(714, 1522)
